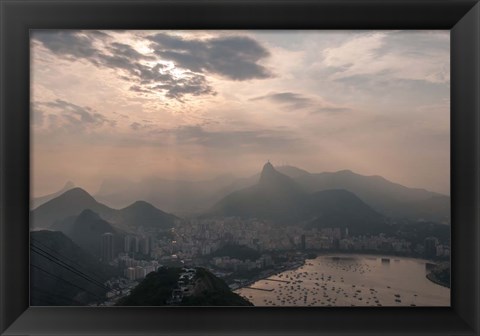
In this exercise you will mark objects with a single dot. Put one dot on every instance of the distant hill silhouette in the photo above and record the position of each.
(391, 199)
(86, 231)
(279, 198)
(194, 197)
(178, 196)
(52, 281)
(435, 208)
(144, 214)
(275, 196)
(343, 209)
(37, 201)
(71, 203)
(75, 201)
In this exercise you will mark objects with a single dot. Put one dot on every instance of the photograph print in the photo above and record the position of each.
(240, 168)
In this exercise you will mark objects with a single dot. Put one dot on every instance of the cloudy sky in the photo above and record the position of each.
(197, 104)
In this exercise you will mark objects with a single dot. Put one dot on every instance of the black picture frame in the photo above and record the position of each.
(17, 17)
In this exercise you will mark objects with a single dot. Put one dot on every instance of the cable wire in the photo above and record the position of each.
(66, 281)
(59, 262)
(64, 257)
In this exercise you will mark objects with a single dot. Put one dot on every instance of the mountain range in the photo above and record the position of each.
(86, 231)
(193, 197)
(283, 194)
(63, 211)
(388, 198)
(281, 199)
(175, 196)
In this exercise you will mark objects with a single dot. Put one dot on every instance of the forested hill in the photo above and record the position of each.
(206, 290)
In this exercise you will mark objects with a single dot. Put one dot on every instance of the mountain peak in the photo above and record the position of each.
(68, 185)
(268, 165)
(272, 178)
(268, 171)
(140, 205)
(346, 172)
(88, 214)
(78, 193)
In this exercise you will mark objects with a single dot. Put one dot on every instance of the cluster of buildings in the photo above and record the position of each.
(433, 248)
(138, 244)
(233, 264)
(379, 243)
(120, 287)
(134, 269)
(131, 259)
(193, 240)
(185, 285)
(201, 237)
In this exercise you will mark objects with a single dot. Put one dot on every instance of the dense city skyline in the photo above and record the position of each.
(193, 105)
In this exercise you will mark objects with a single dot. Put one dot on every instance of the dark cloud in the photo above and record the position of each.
(138, 126)
(138, 89)
(67, 43)
(291, 99)
(83, 114)
(135, 126)
(158, 78)
(194, 85)
(157, 73)
(122, 115)
(72, 116)
(98, 34)
(120, 56)
(125, 50)
(233, 57)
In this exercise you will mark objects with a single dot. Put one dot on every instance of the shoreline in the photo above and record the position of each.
(333, 254)
(432, 293)
(274, 272)
(373, 254)
(434, 280)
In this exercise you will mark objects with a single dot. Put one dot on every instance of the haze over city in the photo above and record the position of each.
(193, 105)
(240, 168)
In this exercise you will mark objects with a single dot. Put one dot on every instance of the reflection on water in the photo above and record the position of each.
(351, 280)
